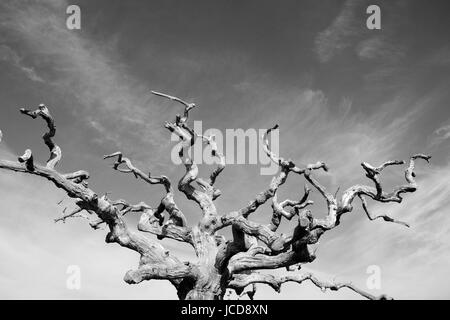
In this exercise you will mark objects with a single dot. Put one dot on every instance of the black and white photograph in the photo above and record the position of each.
(235, 150)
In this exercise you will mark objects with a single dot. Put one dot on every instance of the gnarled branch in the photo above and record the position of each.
(55, 151)
(187, 106)
(149, 223)
(130, 168)
(286, 166)
(384, 217)
(149, 272)
(204, 198)
(167, 203)
(280, 211)
(240, 281)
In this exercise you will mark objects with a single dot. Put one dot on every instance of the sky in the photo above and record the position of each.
(340, 92)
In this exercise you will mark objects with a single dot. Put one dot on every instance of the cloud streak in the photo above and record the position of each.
(8, 55)
(337, 37)
(440, 135)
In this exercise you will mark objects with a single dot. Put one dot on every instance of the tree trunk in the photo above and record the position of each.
(203, 289)
(210, 286)
(210, 283)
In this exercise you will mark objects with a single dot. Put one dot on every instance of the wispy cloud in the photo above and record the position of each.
(440, 135)
(379, 47)
(337, 36)
(348, 30)
(9, 55)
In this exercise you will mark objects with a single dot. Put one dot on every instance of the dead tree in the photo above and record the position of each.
(220, 264)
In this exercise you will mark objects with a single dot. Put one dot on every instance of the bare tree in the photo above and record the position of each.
(220, 264)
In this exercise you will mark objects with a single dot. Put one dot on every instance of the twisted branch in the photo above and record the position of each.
(384, 217)
(204, 198)
(280, 211)
(187, 106)
(167, 203)
(286, 166)
(240, 281)
(146, 272)
(130, 168)
(55, 151)
(148, 222)
(210, 140)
